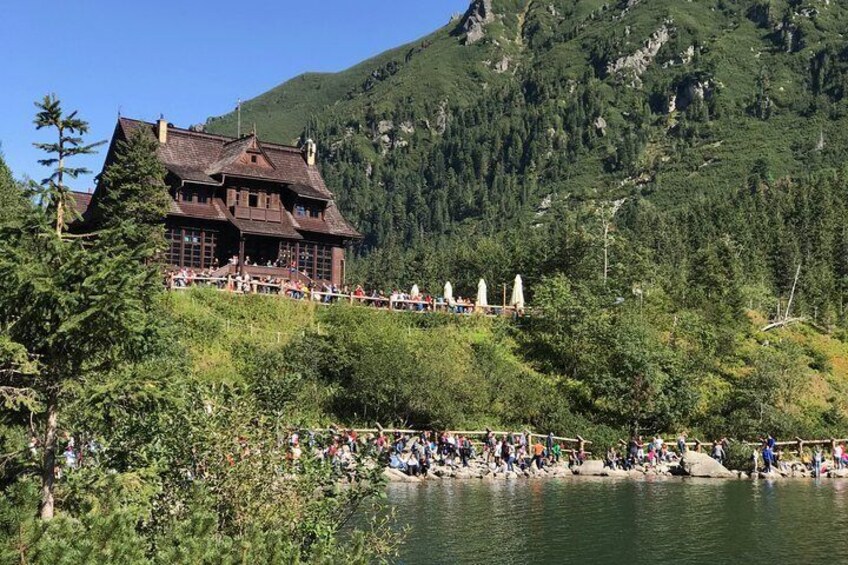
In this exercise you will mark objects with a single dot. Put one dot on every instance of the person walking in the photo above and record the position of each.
(681, 443)
(539, 455)
(817, 462)
(718, 452)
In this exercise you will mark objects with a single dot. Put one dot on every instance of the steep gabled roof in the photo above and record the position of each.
(201, 157)
(333, 223)
(82, 200)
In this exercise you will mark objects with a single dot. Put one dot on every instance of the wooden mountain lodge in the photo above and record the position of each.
(241, 204)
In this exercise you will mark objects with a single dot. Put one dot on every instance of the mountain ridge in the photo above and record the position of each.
(567, 105)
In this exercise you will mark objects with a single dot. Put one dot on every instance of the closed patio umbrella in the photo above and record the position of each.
(517, 299)
(415, 292)
(482, 300)
(448, 292)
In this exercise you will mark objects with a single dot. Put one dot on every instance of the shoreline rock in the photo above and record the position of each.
(695, 466)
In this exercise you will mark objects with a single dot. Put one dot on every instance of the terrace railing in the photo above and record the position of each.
(292, 291)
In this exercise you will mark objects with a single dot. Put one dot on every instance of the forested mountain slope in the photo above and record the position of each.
(499, 144)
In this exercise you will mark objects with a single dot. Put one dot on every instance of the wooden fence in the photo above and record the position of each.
(798, 444)
(577, 443)
(293, 292)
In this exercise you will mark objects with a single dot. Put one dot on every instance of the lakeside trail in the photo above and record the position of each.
(691, 465)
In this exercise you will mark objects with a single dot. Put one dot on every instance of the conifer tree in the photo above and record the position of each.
(12, 198)
(72, 307)
(69, 130)
(132, 196)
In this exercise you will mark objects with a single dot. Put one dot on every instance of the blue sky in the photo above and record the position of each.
(186, 59)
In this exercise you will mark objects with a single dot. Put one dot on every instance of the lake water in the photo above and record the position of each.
(615, 521)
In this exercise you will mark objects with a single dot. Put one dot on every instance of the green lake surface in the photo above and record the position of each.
(618, 521)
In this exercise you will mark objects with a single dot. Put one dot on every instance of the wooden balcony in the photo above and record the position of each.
(259, 214)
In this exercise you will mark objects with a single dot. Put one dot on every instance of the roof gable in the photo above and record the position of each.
(201, 157)
(240, 153)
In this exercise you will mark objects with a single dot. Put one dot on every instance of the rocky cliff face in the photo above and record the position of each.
(474, 21)
(635, 64)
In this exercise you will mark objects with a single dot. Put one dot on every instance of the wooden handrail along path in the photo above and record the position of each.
(578, 442)
(798, 443)
(232, 285)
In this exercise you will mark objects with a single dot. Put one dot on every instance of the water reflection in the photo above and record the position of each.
(607, 521)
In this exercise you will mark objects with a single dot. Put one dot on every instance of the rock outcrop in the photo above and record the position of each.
(692, 90)
(592, 468)
(399, 476)
(474, 21)
(696, 464)
(635, 64)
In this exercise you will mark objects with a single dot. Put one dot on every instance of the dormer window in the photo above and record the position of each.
(303, 211)
(253, 158)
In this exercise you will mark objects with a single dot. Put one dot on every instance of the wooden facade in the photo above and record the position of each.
(247, 204)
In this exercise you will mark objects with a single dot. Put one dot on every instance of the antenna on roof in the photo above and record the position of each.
(238, 111)
(119, 111)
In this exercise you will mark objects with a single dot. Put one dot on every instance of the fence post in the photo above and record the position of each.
(698, 446)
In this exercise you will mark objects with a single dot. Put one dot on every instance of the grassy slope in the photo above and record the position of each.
(443, 70)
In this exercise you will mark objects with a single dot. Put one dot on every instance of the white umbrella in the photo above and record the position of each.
(415, 292)
(517, 299)
(448, 292)
(481, 294)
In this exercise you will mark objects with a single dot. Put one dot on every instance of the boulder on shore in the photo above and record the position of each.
(592, 467)
(696, 464)
(395, 475)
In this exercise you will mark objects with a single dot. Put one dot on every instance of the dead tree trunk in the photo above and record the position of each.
(48, 468)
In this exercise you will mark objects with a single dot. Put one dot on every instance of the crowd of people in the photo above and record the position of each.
(325, 292)
(416, 454)
(766, 456)
(73, 456)
(637, 452)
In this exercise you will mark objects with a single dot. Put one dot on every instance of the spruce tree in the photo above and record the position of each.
(72, 307)
(12, 199)
(132, 196)
(69, 130)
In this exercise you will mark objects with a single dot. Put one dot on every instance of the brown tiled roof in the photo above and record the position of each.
(212, 211)
(266, 228)
(206, 158)
(307, 191)
(197, 156)
(81, 201)
(333, 223)
(337, 224)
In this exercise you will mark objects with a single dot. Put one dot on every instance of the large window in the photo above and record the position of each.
(190, 247)
(323, 262)
(313, 259)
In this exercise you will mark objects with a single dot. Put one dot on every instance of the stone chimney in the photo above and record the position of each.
(310, 151)
(162, 129)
